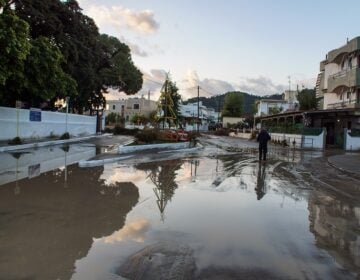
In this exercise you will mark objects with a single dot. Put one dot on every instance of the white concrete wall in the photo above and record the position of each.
(231, 120)
(240, 135)
(351, 143)
(301, 141)
(52, 123)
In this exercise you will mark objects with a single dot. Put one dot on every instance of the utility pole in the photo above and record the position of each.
(198, 100)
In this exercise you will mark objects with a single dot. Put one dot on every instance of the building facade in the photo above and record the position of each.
(338, 83)
(127, 108)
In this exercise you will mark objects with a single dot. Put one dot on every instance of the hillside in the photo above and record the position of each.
(217, 101)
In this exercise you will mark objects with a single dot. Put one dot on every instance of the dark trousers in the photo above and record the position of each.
(262, 152)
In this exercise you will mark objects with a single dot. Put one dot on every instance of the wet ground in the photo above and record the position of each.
(216, 213)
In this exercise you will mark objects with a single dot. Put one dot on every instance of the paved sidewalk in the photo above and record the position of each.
(348, 162)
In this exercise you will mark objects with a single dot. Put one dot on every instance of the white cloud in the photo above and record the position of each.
(260, 86)
(119, 16)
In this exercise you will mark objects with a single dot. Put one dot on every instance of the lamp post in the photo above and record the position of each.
(67, 111)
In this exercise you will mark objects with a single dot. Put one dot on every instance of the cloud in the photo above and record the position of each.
(118, 16)
(154, 79)
(208, 87)
(260, 86)
(135, 230)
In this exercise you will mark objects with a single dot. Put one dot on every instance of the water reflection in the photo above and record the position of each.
(46, 228)
(162, 175)
(335, 224)
(31, 163)
(260, 183)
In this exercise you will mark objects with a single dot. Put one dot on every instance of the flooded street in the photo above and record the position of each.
(212, 214)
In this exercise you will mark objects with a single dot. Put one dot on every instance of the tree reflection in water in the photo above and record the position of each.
(163, 175)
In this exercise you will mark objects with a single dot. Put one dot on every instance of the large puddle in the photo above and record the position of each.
(202, 217)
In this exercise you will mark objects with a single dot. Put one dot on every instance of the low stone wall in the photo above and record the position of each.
(40, 124)
(240, 135)
(129, 149)
(300, 141)
(351, 143)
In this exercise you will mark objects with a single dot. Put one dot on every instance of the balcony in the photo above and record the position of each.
(344, 79)
(347, 104)
(337, 54)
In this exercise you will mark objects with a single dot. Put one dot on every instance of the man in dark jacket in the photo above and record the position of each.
(263, 138)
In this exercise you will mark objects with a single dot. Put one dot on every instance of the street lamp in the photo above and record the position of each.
(67, 111)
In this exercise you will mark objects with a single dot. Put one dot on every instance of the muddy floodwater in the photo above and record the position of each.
(213, 214)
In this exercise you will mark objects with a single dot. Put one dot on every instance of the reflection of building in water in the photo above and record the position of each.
(335, 224)
(163, 175)
(261, 188)
(31, 163)
(46, 227)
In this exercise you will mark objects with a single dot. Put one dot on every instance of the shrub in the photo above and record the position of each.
(15, 141)
(147, 136)
(222, 132)
(119, 130)
(65, 136)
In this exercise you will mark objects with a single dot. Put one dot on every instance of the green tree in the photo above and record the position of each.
(95, 62)
(233, 104)
(307, 99)
(44, 77)
(14, 48)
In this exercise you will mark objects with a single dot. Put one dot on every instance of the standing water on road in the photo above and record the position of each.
(211, 215)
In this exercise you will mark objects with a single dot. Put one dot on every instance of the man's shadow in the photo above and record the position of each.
(260, 188)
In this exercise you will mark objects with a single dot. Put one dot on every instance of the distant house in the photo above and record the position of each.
(266, 107)
(190, 112)
(131, 106)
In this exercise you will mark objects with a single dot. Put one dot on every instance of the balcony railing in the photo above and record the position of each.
(346, 78)
(344, 104)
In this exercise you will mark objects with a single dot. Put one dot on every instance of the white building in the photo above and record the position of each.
(131, 106)
(190, 114)
(267, 107)
(338, 84)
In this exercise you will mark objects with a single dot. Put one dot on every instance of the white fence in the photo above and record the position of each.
(40, 124)
(351, 143)
(301, 141)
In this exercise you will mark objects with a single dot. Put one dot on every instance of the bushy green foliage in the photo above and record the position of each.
(233, 104)
(114, 118)
(64, 53)
(307, 99)
(147, 136)
(15, 141)
(119, 130)
(65, 136)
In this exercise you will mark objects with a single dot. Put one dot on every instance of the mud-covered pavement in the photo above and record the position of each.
(211, 214)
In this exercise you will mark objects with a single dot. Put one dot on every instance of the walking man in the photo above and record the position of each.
(263, 138)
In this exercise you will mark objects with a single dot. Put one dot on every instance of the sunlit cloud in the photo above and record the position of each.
(135, 231)
(118, 17)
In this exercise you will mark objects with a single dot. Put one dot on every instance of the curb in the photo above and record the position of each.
(342, 169)
(47, 143)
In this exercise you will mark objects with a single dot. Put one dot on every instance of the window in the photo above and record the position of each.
(113, 107)
(136, 106)
(348, 95)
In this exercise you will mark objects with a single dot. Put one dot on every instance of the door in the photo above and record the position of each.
(330, 133)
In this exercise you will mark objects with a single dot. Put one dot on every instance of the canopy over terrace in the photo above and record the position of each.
(278, 119)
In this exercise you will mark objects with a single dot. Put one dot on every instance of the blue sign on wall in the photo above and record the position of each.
(35, 115)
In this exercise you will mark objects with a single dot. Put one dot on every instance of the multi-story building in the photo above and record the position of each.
(338, 84)
(131, 106)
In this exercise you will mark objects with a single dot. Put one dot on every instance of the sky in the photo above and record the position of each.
(248, 45)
